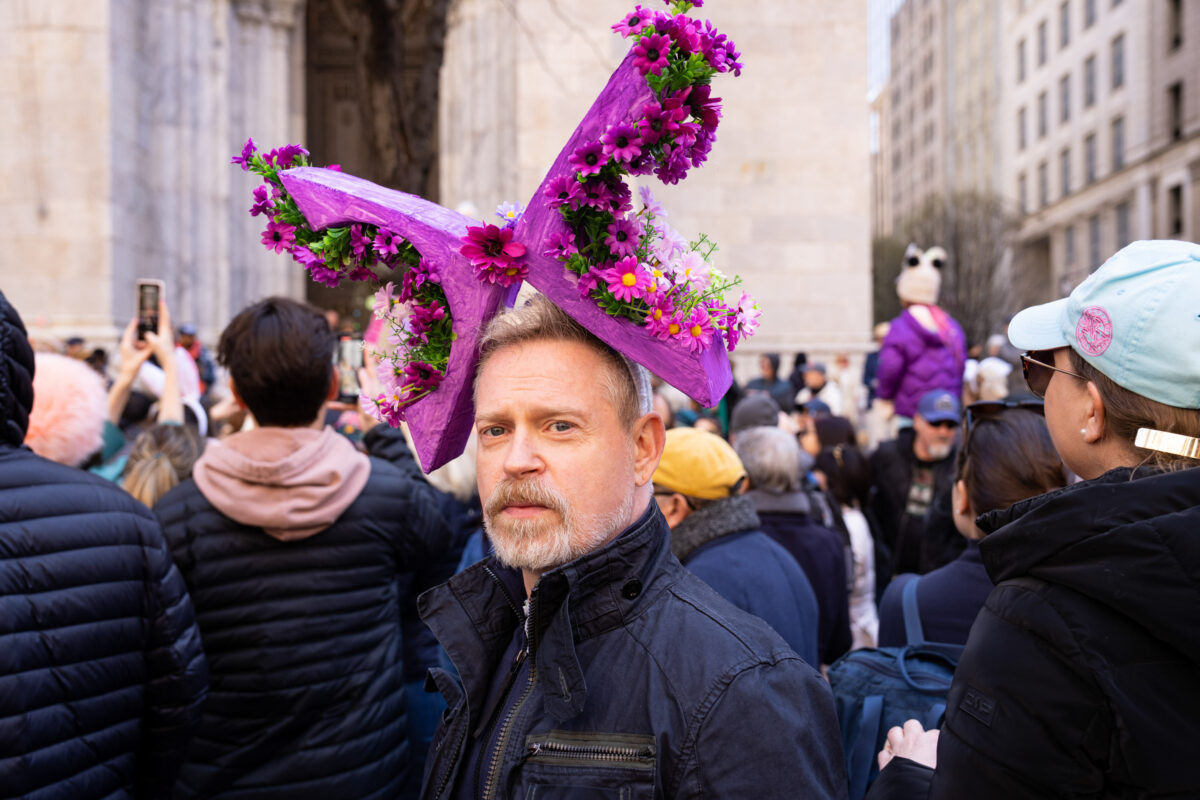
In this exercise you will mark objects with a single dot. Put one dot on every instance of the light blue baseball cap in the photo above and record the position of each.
(1136, 319)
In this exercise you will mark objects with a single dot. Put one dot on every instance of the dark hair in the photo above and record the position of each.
(774, 359)
(1008, 456)
(847, 473)
(279, 354)
(1125, 412)
(832, 431)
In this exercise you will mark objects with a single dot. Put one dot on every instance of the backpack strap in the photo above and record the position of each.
(913, 632)
(862, 755)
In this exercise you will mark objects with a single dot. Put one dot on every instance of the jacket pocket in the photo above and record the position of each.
(588, 766)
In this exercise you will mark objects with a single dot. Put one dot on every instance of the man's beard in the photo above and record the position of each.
(550, 539)
(939, 450)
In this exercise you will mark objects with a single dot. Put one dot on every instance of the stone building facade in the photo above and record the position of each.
(116, 165)
(115, 162)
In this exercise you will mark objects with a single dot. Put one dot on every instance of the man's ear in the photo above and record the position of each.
(959, 499)
(675, 509)
(649, 439)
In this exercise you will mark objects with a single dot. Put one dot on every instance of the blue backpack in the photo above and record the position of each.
(876, 689)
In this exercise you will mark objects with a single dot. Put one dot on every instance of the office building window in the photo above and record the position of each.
(1089, 82)
(1021, 61)
(1118, 62)
(1042, 44)
(1089, 13)
(1064, 24)
(1042, 113)
(1089, 159)
(1064, 163)
(1118, 143)
(1022, 194)
(1021, 128)
(1175, 25)
(1175, 110)
(1043, 185)
(1069, 245)
(1123, 237)
(1175, 210)
(1064, 98)
(1094, 256)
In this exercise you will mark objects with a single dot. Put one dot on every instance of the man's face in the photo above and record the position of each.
(768, 371)
(186, 340)
(934, 441)
(814, 380)
(556, 465)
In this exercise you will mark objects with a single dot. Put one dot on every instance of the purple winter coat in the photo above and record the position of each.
(915, 360)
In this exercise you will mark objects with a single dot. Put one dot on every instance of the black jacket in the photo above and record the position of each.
(663, 689)
(1081, 677)
(304, 643)
(101, 671)
(913, 545)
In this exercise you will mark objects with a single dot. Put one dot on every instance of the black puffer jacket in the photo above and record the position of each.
(305, 643)
(1081, 677)
(101, 671)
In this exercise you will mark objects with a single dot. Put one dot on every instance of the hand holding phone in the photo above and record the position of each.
(149, 295)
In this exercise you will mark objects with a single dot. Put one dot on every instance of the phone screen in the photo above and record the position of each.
(148, 295)
(349, 361)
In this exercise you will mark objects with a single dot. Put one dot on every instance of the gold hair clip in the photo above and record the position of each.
(1174, 443)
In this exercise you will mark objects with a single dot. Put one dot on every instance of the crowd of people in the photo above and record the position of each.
(222, 582)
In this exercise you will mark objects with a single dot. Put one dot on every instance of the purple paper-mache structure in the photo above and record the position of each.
(440, 422)
(704, 378)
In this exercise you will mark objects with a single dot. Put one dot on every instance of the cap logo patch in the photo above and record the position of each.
(1094, 332)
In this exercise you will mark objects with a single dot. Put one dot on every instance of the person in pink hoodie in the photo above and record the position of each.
(925, 348)
(299, 551)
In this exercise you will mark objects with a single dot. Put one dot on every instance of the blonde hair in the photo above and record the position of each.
(1125, 412)
(539, 320)
(161, 458)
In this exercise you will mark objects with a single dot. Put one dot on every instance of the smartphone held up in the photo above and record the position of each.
(149, 295)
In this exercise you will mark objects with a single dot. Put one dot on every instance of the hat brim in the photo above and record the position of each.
(939, 416)
(1039, 327)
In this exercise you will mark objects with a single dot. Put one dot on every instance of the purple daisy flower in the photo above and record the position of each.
(560, 246)
(589, 281)
(335, 167)
(652, 206)
(588, 159)
(360, 244)
(510, 213)
(622, 238)
(675, 168)
(633, 23)
(361, 272)
(595, 194)
(620, 200)
(387, 243)
(279, 236)
(286, 156)
(621, 142)
(698, 330)
(494, 255)
(325, 276)
(243, 161)
(702, 147)
(743, 321)
(659, 317)
(559, 190)
(427, 315)
(684, 33)
(642, 165)
(303, 255)
(658, 121)
(262, 202)
(626, 280)
(422, 377)
(650, 54)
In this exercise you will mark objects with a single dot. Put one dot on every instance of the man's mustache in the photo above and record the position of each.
(524, 493)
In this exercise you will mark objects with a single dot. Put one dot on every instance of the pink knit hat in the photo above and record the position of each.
(69, 406)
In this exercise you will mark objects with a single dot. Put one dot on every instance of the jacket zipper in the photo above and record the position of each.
(493, 774)
(605, 753)
(450, 768)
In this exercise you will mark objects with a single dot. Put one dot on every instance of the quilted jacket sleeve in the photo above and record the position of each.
(892, 364)
(177, 674)
(772, 733)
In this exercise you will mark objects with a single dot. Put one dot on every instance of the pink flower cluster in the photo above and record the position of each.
(496, 257)
(658, 31)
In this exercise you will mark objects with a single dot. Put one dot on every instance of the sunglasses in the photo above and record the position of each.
(975, 412)
(1038, 368)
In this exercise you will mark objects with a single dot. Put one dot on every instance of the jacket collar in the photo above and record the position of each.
(475, 614)
(711, 522)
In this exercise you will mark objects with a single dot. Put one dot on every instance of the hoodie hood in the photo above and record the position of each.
(16, 376)
(1128, 539)
(291, 482)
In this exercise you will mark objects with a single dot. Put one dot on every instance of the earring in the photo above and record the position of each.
(1083, 431)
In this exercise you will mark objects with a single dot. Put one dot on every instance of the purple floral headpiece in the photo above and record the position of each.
(626, 276)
